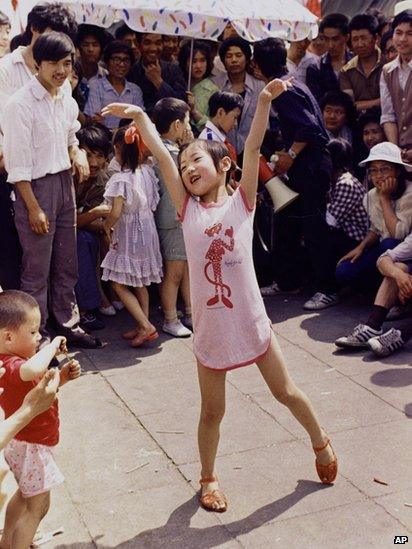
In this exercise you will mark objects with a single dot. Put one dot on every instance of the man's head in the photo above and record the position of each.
(402, 33)
(151, 47)
(235, 53)
(299, 47)
(49, 17)
(338, 110)
(225, 109)
(119, 58)
(91, 41)
(270, 57)
(334, 28)
(388, 47)
(53, 53)
(363, 31)
(19, 324)
(370, 128)
(95, 140)
(172, 118)
(170, 47)
(5, 28)
(129, 37)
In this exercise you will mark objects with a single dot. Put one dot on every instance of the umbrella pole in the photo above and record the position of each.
(189, 72)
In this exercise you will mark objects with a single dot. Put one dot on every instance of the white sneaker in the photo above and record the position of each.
(108, 311)
(118, 305)
(176, 329)
(387, 343)
(359, 338)
(274, 289)
(321, 301)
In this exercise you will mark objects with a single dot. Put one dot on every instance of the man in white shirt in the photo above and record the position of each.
(39, 123)
(299, 59)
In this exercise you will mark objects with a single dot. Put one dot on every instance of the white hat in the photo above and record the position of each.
(402, 6)
(385, 151)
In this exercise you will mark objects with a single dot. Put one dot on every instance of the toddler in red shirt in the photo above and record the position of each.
(29, 455)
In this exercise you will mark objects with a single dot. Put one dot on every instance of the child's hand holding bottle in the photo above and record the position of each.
(71, 370)
(60, 345)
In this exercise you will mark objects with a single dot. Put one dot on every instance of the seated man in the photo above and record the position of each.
(339, 115)
(396, 266)
(95, 141)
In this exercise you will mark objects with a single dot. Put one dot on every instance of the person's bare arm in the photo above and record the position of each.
(152, 140)
(37, 365)
(370, 239)
(391, 131)
(86, 218)
(367, 104)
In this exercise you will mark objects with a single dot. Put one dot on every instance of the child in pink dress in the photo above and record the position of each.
(134, 259)
(231, 327)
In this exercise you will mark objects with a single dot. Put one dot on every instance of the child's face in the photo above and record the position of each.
(372, 134)
(198, 171)
(228, 120)
(24, 341)
(52, 74)
(182, 127)
(96, 160)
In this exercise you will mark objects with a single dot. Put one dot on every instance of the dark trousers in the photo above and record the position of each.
(87, 287)
(49, 266)
(10, 251)
(363, 274)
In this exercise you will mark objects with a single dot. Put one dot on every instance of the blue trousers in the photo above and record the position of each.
(87, 287)
(363, 273)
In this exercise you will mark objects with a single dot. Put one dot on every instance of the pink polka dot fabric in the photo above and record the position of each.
(33, 467)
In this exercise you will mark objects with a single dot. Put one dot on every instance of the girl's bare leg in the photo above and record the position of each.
(15, 508)
(273, 369)
(27, 524)
(212, 390)
(169, 288)
(143, 297)
(132, 304)
(185, 290)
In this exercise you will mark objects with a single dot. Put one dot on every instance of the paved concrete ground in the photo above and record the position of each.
(128, 446)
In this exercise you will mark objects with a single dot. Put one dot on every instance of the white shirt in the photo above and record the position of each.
(404, 71)
(14, 73)
(38, 129)
(212, 133)
(299, 71)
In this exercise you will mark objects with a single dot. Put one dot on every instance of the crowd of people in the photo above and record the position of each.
(130, 161)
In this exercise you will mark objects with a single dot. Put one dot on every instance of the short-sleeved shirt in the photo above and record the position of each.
(44, 428)
(352, 77)
(90, 193)
(101, 93)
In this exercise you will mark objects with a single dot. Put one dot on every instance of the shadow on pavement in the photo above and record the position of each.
(178, 534)
(396, 377)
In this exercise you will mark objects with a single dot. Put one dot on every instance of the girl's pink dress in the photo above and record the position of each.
(231, 327)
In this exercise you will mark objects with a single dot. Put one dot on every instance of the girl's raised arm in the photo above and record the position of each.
(254, 140)
(153, 142)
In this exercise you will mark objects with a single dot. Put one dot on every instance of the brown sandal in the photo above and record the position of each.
(327, 473)
(210, 498)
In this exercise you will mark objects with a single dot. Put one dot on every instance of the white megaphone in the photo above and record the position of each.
(280, 193)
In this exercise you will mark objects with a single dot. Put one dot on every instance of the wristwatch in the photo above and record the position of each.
(292, 153)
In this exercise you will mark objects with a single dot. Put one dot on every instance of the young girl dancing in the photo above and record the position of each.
(231, 327)
(134, 257)
(30, 453)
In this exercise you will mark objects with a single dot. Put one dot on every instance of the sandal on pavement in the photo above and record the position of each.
(130, 334)
(209, 499)
(140, 339)
(327, 473)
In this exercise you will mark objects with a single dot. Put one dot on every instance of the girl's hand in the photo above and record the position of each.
(388, 186)
(352, 256)
(275, 87)
(191, 101)
(122, 110)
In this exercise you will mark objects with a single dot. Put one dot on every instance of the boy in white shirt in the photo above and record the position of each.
(39, 123)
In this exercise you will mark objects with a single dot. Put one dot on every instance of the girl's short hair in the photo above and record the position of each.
(198, 46)
(117, 46)
(215, 149)
(14, 306)
(52, 46)
(238, 42)
(129, 154)
(95, 137)
(341, 154)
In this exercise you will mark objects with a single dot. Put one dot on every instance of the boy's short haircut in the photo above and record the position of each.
(404, 16)
(340, 99)
(122, 31)
(364, 21)
(227, 101)
(117, 46)
(14, 306)
(335, 21)
(51, 16)
(238, 42)
(96, 138)
(101, 35)
(168, 110)
(52, 46)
